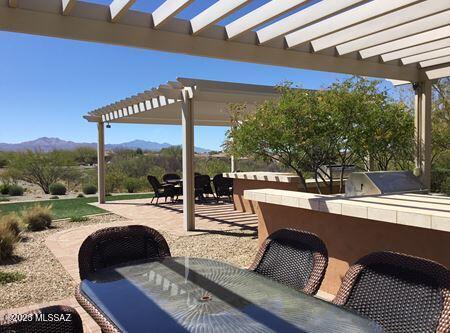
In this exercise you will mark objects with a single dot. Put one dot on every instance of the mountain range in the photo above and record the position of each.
(49, 144)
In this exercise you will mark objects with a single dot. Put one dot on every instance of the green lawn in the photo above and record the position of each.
(64, 208)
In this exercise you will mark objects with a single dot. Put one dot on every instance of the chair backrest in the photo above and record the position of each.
(402, 293)
(295, 258)
(154, 183)
(73, 324)
(222, 185)
(201, 181)
(170, 176)
(117, 245)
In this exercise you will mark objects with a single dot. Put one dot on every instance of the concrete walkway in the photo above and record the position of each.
(210, 218)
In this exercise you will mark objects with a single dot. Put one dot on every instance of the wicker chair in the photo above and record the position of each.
(161, 191)
(295, 258)
(402, 293)
(65, 320)
(118, 245)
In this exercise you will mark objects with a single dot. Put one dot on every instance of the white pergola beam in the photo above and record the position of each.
(434, 62)
(406, 42)
(426, 56)
(89, 22)
(438, 73)
(438, 44)
(343, 20)
(261, 15)
(302, 18)
(380, 23)
(67, 6)
(119, 7)
(215, 13)
(404, 30)
(168, 9)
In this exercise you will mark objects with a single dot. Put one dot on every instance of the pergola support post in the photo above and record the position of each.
(101, 162)
(233, 164)
(422, 106)
(188, 162)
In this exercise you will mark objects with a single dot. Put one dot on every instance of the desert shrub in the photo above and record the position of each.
(11, 222)
(8, 241)
(80, 195)
(78, 219)
(133, 185)
(4, 199)
(9, 277)
(54, 197)
(57, 189)
(37, 217)
(439, 178)
(15, 190)
(89, 189)
(114, 181)
(4, 189)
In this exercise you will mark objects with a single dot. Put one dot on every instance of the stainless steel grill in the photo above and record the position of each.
(383, 182)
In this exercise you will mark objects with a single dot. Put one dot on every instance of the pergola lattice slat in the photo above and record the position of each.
(167, 10)
(119, 7)
(343, 20)
(261, 15)
(215, 13)
(441, 43)
(405, 42)
(426, 56)
(404, 30)
(434, 62)
(380, 23)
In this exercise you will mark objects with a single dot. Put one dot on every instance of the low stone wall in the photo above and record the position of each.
(349, 238)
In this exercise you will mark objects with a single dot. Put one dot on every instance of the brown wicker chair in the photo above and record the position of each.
(65, 320)
(402, 293)
(117, 245)
(295, 258)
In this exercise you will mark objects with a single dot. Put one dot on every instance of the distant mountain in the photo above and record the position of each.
(49, 144)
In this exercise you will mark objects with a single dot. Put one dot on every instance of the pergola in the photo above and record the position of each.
(188, 102)
(403, 40)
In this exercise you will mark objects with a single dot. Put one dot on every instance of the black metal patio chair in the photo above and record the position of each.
(161, 190)
(170, 176)
(402, 293)
(223, 187)
(294, 258)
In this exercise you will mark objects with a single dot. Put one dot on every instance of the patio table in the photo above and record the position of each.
(181, 294)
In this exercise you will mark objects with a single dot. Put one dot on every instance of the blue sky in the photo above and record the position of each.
(47, 84)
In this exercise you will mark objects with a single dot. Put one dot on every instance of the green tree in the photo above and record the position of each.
(296, 130)
(42, 169)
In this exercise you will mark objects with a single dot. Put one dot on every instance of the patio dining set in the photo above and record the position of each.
(131, 283)
(171, 187)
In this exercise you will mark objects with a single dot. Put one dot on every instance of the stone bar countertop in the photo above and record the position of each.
(417, 210)
(282, 177)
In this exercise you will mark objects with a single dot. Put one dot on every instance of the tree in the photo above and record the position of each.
(42, 169)
(85, 156)
(295, 130)
(306, 130)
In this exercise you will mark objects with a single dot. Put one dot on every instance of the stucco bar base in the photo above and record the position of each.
(349, 238)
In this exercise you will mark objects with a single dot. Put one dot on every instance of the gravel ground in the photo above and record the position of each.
(46, 280)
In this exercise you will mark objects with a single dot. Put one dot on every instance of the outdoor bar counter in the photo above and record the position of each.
(415, 224)
(259, 180)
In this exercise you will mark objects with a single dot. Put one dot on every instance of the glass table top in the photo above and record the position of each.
(202, 295)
